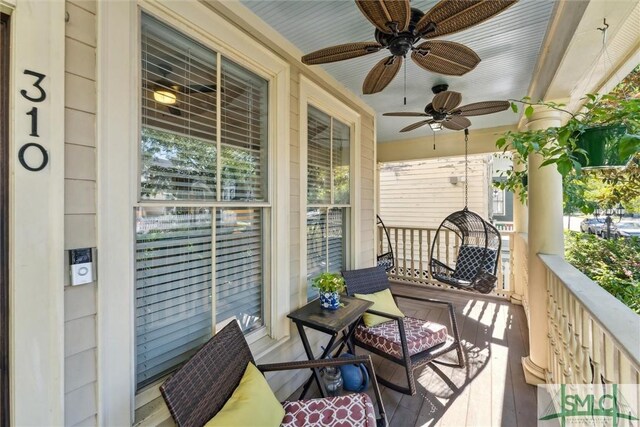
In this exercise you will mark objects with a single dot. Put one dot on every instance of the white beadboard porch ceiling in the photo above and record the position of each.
(508, 45)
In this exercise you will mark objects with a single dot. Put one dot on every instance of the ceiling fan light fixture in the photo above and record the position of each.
(165, 96)
(435, 126)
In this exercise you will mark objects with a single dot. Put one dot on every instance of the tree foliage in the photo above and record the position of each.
(614, 264)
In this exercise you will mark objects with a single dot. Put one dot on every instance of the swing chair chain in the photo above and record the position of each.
(466, 168)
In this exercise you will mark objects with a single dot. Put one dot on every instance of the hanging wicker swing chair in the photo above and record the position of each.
(478, 253)
(386, 259)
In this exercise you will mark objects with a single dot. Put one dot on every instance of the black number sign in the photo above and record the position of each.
(23, 162)
(40, 77)
(33, 113)
(34, 121)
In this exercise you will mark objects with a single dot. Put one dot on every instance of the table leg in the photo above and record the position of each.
(348, 337)
(310, 356)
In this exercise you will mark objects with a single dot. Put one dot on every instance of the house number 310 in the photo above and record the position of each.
(35, 94)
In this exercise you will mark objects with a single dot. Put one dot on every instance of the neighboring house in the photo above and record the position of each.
(421, 193)
(501, 201)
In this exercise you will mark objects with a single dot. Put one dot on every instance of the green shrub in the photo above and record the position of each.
(613, 264)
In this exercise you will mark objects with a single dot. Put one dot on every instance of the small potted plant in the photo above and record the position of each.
(329, 286)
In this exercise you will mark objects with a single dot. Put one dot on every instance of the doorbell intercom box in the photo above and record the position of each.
(81, 263)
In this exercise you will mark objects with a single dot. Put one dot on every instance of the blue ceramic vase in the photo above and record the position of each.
(354, 377)
(330, 300)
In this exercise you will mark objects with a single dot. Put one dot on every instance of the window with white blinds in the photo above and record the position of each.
(173, 289)
(244, 134)
(179, 102)
(239, 274)
(328, 194)
(201, 264)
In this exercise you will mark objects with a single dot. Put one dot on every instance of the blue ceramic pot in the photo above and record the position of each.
(330, 300)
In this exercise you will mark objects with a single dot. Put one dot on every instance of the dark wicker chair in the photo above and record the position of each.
(389, 339)
(201, 387)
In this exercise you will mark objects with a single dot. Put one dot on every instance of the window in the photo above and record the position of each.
(202, 221)
(328, 194)
(498, 202)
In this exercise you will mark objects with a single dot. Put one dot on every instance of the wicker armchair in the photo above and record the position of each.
(201, 387)
(409, 342)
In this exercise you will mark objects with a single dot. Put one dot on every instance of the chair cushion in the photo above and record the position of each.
(350, 410)
(382, 301)
(470, 258)
(386, 261)
(421, 335)
(251, 404)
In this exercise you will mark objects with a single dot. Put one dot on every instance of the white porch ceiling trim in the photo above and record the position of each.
(446, 145)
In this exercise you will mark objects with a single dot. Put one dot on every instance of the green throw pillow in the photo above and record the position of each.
(252, 404)
(382, 301)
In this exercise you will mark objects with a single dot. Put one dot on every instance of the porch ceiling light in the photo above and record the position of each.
(164, 96)
(435, 126)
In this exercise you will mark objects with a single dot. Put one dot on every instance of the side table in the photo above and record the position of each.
(342, 321)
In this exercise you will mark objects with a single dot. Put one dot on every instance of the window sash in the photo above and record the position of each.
(238, 230)
(207, 133)
(173, 289)
(328, 194)
(239, 267)
(326, 243)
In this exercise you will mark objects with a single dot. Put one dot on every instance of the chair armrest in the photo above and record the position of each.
(385, 315)
(311, 364)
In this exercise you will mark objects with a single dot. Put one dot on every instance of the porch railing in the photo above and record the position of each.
(593, 337)
(411, 248)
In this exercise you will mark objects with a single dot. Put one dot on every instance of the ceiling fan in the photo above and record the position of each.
(166, 92)
(443, 111)
(399, 27)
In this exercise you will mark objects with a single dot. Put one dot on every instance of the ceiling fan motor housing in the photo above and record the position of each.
(440, 88)
(400, 44)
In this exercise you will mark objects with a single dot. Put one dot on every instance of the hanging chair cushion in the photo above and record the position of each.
(470, 259)
(421, 335)
(386, 261)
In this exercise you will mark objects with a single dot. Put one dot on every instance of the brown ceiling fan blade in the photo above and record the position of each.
(340, 52)
(456, 123)
(389, 16)
(381, 75)
(446, 101)
(481, 108)
(406, 114)
(449, 58)
(451, 16)
(416, 125)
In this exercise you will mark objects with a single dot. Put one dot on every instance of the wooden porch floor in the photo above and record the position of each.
(489, 391)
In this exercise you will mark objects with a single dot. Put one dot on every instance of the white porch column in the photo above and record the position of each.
(545, 236)
(520, 225)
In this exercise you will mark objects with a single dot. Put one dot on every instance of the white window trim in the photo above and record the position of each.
(118, 135)
(311, 93)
